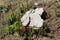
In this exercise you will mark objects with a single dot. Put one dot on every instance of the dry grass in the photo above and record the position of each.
(52, 8)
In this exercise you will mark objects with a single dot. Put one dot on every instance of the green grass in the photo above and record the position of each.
(13, 24)
(3, 8)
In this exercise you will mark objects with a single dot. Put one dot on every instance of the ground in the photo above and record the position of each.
(52, 7)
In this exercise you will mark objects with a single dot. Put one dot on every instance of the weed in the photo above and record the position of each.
(45, 29)
(13, 24)
(3, 8)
